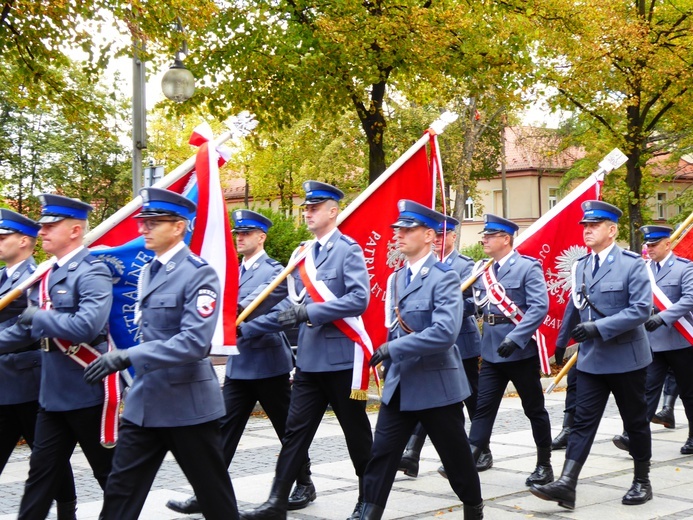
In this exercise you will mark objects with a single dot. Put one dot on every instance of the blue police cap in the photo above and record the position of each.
(598, 211)
(654, 234)
(494, 224)
(157, 202)
(55, 208)
(449, 224)
(12, 222)
(317, 192)
(246, 220)
(413, 214)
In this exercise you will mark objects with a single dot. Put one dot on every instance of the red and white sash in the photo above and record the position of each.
(497, 296)
(662, 302)
(83, 354)
(351, 327)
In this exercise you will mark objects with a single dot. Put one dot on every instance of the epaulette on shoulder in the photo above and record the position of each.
(443, 267)
(684, 260)
(583, 257)
(348, 239)
(530, 258)
(91, 259)
(465, 257)
(630, 253)
(272, 262)
(196, 260)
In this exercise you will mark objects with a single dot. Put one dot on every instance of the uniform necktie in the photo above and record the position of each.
(242, 272)
(408, 278)
(3, 277)
(316, 249)
(596, 265)
(658, 267)
(156, 265)
(496, 268)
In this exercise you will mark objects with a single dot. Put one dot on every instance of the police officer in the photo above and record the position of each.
(508, 350)
(261, 371)
(175, 401)
(20, 370)
(611, 300)
(673, 276)
(424, 379)
(468, 340)
(325, 359)
(75, 299)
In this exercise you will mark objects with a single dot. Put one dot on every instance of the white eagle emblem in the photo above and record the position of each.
(116, 264)
(395, 258)
(559, 283)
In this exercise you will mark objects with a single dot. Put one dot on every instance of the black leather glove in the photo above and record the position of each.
(507, 347)
(654, 322)
(558, 355)
(239, 309)
(293, 316)
(108, 363)
(26, 318)
(380, 355)
(585, 331)
(239, 332)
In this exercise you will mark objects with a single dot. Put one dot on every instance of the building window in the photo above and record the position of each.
(661, 206)
(553, 197)
(469, 209)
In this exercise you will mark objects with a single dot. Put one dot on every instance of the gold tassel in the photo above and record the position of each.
(358, 395)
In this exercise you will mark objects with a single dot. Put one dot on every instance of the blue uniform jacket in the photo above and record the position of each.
(175, 383)
(81, 295)
(426, 364)
(621, 290)
(469, 339)
(675, 279)
(322, 347)
(20, 372)
(524, 283)
(262, 353)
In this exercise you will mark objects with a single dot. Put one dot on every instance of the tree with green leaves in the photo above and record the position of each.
(626, 68)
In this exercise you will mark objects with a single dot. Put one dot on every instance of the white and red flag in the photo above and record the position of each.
(367, 220)
(117, 242)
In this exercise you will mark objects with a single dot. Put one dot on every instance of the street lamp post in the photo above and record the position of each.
(178, 84)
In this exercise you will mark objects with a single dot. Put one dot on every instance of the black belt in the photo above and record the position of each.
(49, 345)
(496, 319)
(34, 346)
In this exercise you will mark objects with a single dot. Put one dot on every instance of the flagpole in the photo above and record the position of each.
(678, 233)
(436, 128)
(562, 373)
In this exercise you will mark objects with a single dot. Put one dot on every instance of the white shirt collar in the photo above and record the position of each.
(604, 254)
(248, 263)
(166, 257)
(326, 238)
(65, 259)
(416, 266)
(502, 261)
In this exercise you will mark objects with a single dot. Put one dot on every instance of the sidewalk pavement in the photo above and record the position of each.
(604, 480)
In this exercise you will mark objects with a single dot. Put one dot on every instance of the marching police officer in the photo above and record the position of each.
(325, 364)
(508, 349)
(175, 401)
(468, 340)
(673, 276)
(424, 379)
(612, 298)
(261, 371)
(20, 370)
(75, 298)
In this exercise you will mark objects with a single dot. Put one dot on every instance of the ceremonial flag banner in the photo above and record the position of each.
(209, 236)
(684, 247)
(367, 220)
(556, 241)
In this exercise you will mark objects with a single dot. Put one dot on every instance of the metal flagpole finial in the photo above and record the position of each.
(447, 117)
(615, 159)
(242, 124)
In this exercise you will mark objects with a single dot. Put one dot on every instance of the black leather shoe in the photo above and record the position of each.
(687, 449)
(358, 509)
(442, 472)
(409, 465)
(302, 495)
(189, 506)
(561, 440)
(562, 490)
(665, 416)
(67, 510)
(474, 512)
(485, 460)
(639, 493)
(540, 476)
(622, 442)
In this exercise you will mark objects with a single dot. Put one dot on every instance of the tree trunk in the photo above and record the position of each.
(373, 123)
